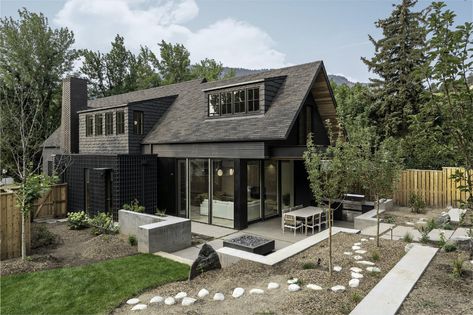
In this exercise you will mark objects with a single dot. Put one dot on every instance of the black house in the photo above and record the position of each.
(227, 152)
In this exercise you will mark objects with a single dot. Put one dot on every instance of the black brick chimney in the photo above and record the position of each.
(74, 99)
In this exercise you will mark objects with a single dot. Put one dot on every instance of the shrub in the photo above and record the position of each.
(449, 247)
(431, 224)
(132, 240)
(443, 240)
(41, 236)
(308, 265)
(103, 223)
(389, 219)
(356, 297)
(134, 206)
(77, 220)
(458, 267)
(424, 233)
(447, 226)
(407, 238)
(375, 255)
(160, 213)
(416, 203)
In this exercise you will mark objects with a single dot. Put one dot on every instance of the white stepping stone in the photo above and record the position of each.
(256, 291)
(364, 240)
(357, 257)
(348, 253)
(354, 283)
(355, 247)
(471, 262)
(337, 268)
(357, 244)
(314, 287)
(157, 299)
(338, 288)
(373, 269)
(356, 275)
(219, 297)
(188, 301)
(238, 292)
(360, 251)
(180, 296)
(293, 280)
(133, 301)
(169, 301)
(273, 285)
(371, 238)
(410, 223)
(203, 293)
(356, 269)
(365, 262)
(293, 287)
(139, 307)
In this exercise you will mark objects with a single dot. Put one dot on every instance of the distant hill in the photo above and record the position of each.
(338, 79)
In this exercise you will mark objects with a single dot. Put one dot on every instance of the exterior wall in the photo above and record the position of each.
(230, 150)
(47, 157)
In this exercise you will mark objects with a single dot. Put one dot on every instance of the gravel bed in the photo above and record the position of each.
(248, 240)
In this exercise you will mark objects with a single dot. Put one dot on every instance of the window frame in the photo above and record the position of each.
(89, 125)
(108, 123)
(235, 102)
(120, 122)
(253, 100)
(222, 105)
(215, 113)
(138, 127)
(98, 124)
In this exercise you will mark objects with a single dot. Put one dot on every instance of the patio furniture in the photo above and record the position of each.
(304, 213)
(314, 222)
(291, 222)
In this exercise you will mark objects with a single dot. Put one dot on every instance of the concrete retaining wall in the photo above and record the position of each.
(368, 219)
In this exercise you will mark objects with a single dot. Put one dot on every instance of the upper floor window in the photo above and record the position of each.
(214, 104)
(108, 123)
(234, 102)
(253, 100)
(89, 125)
(138, 117)
(226, 101)
(239, 101)
(120, 122)
(98, 125)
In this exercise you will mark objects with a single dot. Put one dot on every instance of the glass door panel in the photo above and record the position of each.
(181, 188)
(287, 184)
(253, 170)
(223, 193)
(199, 190)
(270, 188)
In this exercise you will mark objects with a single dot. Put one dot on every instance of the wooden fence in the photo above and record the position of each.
(52, 204)
(436, 188)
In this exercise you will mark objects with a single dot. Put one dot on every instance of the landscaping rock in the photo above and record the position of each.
(357, 244)
(337, 268)
(371, 238)
(408, 247)
(373, 269)
(206, 260)
(256, 291)
(314, 287)
(169, 301)
(410, 223)
(139, 307)
(356, 275)
(273, 285)
(356, 269)
(354, 283)
(293, 280)
(293, 287)
(357, 257)
(355, 247)
(338, 288)
(348, 253)
(219, 297)
(443, 219)
(203, 293)
(180, 296)
(157, 299)
(238, 292)
(188, 301)
(360, 251)
(456, 214)
(365, 262)
(133, 301)
(364, 240)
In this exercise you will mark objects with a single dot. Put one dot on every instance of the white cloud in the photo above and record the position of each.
(146, 22)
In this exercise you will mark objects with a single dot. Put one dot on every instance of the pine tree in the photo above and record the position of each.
(397, 93)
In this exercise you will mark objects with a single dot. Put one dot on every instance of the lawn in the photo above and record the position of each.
(88, 289)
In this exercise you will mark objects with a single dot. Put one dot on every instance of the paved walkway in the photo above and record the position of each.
(387, 296)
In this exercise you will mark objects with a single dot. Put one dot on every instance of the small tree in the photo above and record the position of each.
(329, 175)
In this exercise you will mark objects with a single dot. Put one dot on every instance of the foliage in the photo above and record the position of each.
(77, 220)
(31, 189)
(308, 265)
(416, 203)
(356, 297)
(160, 212)
(424, 233)
(41, 237)
(351, 104)
(443, 240)
(132, 240)
(457, 264)
(103, 223)
(431, 224)
(102, 285)
(134, 205)
(447, 226)
(449, 247)
(375, 255)
(174, 65)
(389, 219)
(407, 238)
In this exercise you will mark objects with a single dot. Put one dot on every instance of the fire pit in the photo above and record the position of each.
(250, 243)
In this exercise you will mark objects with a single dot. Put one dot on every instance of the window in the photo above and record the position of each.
(109, 123)
(98, 125)
(253, 100)
(138, 122)
(239, 99)
(226, 103)
(120, 121)
(214, 103)
(89, 125)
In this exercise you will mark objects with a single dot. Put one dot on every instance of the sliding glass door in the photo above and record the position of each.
(223, 191)
(181, 188)
(287, 184)
(270, 188)
(199, 190)
(253, 192)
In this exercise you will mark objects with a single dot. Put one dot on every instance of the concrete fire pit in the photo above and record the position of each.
(250, 243)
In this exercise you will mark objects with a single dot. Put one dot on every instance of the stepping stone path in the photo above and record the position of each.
(157, 299)
(356, 275)
(371, 238)
(219, 297)
(357, 244)
(203, 293)
(314, 287)
(256, 291)
(348, 253)
(356, 269)
(293, 287)
(180, 296)
(188, 301)
(169, 301)
(238, 292)
(360, 251)
(357, 257)
(139, 307)
(364, 240)
(337, 268)
(354, 283)
(373, 269)
(338, 288)
(355, 247)
(273, 285)
(293, 280)
(133, 301)
(408, 247)
(365, 262)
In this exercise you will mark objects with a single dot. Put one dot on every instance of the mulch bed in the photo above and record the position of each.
(250, 275)
(71, 248)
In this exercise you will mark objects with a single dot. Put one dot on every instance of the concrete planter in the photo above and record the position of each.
(155, 234)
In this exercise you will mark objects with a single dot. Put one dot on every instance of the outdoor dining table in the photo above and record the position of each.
(305, 214)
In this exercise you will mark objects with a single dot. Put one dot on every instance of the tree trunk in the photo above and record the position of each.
(377, 219)
(329, 216)
(23, 228)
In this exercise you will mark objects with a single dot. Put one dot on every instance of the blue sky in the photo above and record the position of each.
(250, 34)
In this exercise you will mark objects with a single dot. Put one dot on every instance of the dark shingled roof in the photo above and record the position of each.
(53, 140)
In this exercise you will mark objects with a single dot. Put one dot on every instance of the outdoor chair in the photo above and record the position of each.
(291, 222)
(314, 222)
(324, 218)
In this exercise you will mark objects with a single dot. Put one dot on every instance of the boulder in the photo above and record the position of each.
(203, 293)
(188, 301)
(169, 301)
(273, 285)
(206, 260)
(133, 301)
(443, 219)
(256, 291)
(157, 299)
(180, 296)
(314, 287)
(354, 283)
(238, 292)
(338, 288)
(219, 297)
(139, 307)
(293, 287)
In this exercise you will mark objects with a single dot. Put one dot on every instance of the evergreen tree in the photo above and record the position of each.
(397, 93)
(175, 62)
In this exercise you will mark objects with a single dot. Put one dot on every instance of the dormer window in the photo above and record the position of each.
(138, 119)
(238, 101)
(214, 105)
(253, 100)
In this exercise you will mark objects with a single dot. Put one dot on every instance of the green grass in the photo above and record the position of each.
(89, 289)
